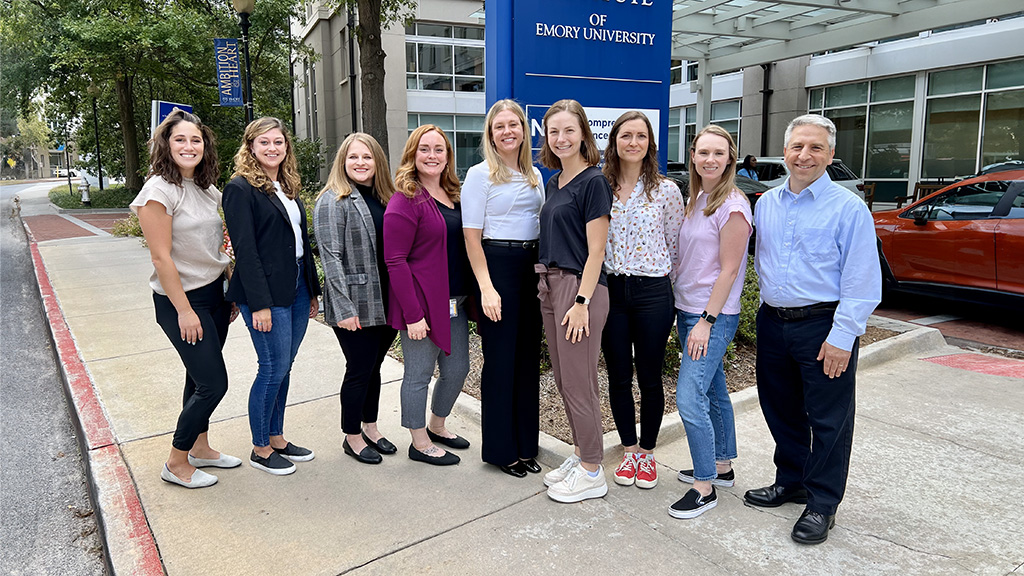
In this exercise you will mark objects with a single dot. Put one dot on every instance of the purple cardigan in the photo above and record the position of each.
(416, 253)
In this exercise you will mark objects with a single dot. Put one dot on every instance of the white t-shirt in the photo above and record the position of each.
(509, 211)
(292, 207)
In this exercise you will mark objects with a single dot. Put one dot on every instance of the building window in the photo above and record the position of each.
(689, 131)
(444, 57)
(674, 118)
(676, 73)
(466, 133)
(726, 114)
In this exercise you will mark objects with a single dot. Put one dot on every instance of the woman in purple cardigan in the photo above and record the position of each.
(426, 258)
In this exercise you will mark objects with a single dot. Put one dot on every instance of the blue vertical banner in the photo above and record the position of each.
(610, 55)
(229, 77)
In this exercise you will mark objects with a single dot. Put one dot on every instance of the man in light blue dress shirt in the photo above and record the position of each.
(820, 280)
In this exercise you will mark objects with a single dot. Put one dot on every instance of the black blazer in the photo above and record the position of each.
(264, 245)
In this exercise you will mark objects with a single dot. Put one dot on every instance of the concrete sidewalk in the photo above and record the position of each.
(922, 429)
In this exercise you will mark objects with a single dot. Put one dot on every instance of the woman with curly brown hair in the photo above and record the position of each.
(274, 283)
(430, 280)
(177, 209)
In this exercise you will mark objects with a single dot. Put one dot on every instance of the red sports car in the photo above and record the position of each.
(964, 241)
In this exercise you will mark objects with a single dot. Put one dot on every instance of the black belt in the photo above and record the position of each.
(803, 312)
(524, 244)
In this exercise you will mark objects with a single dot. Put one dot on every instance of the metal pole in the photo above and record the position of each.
(96, 129)
(352, 65)
(243, 21)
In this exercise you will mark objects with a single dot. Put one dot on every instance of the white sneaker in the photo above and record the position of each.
(579, 486)
(559, 474)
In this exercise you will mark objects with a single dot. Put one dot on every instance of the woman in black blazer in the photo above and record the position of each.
(274, 282)
(349, 225)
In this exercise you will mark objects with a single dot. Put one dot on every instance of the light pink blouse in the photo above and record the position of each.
(699, 264)
(643, 236)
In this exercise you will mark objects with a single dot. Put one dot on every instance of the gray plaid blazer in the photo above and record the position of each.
(348, 251)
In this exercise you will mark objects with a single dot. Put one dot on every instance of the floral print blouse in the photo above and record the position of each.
(643, 236)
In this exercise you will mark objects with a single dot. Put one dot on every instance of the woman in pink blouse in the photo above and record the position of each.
(643, 236)
(708, 283)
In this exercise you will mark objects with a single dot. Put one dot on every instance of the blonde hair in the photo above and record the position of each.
(407, 178)
(249, 168)
(499, 172)
(725, 186)
(338, 180)
(588, 147)
(649, 174)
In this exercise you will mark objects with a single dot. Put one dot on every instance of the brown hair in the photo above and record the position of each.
(338, 180)
(407, 178)
(588, 147)
(161, 163)
(249, 168)
(498, 172)
(725, 186)
(649, 169)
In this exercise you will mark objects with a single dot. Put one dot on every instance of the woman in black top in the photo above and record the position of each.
(573, 290)
(349, 224)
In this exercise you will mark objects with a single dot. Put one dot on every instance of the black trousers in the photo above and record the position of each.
(364, 350)
(206, 378)
(809, 415)
(640, 316)
(510, 378)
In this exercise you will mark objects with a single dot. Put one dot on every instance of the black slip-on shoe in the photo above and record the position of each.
(531, 465)
(458, 442)
(295, 453)
(367, 455)
(692, 504)
(274, 464)
(724, 479)
(382, 446)
(448, 459)
(518, 469)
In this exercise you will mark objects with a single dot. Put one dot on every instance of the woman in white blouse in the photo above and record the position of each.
(501, 201)
(642, 245)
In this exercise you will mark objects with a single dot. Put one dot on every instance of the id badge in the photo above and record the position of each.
(453, 309)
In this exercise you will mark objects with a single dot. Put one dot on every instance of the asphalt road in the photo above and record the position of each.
(46, 517)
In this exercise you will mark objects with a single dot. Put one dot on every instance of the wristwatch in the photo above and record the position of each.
(580, 299)
(711, 319)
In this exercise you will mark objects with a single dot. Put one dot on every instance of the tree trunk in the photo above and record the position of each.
(129, 132)
(371, 64)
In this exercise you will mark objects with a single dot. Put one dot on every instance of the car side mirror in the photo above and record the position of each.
(920, 216)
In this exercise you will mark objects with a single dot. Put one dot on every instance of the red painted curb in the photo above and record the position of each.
(991, 365)
(120, 510)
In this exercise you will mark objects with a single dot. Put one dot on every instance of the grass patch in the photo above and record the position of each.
(112, 196)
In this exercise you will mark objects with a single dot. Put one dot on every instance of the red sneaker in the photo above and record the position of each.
(625, 474)
(647, 473)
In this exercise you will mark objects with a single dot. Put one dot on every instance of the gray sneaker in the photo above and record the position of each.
(559, 474)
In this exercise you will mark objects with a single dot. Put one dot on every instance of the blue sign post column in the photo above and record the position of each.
(610, 55)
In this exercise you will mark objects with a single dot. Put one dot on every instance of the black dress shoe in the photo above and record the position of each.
(531, 465)
(812, 527)
(383, 446)
(447, 460)
(367, 455)
(774, 496)
(458, 443)
(518, 469)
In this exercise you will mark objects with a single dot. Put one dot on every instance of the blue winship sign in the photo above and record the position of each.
(610, 55)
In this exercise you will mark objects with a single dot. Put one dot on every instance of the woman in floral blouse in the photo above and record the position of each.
(643, 238)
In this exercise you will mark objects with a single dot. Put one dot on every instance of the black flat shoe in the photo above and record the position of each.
(531, 465)
(518, 469)
(382, 446)
(448, 459)
(774, 496)
(367, 455)
(812, 527)
(458, 443)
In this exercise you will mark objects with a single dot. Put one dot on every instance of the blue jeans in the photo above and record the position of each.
(275, 351)
(702, 398)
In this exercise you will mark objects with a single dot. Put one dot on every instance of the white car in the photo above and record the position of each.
(772, 171)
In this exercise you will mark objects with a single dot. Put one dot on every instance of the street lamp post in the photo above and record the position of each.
(94, 91)
(244, 8)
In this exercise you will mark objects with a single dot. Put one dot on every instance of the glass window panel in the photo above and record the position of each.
(815, 100)
(889, 130)
(410, 56)
(691, 72)
(467, 84)
(901, 88)
(953, 81)
(850, 127)
(411, 82)
(1005, 74)
(673, 144)
(467, 151)
(439, 30)
(676, 76)
(673, 116)
(1003, 137)
(410, 28)
(691, 133)
(442, 121)
(435, 59)
(732, 127)
(691, 116)
(723, 110)
(469, 123)
(846, 94)
(950, 136)
(413, 120)
(469, 60)
(435, 82)
(469, 32)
